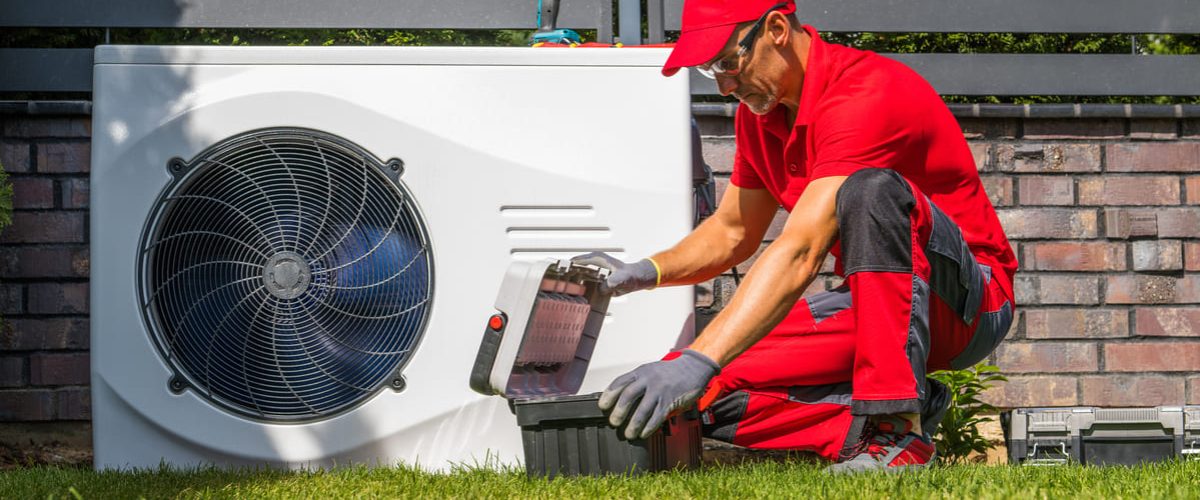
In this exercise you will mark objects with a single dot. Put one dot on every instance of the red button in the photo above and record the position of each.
(496, 322)
(793, 168)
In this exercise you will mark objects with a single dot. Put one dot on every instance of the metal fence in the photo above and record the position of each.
(43, 69)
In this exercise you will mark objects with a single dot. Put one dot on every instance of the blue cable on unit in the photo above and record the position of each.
(548, 33)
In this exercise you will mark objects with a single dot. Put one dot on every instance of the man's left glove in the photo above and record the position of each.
(649, 393)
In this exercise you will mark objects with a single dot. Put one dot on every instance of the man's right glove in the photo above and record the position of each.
(623, 277)
(646, 396)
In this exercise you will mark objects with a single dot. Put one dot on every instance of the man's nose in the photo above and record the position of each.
(726, 84)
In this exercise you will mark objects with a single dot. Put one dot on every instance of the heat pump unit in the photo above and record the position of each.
(295, 250)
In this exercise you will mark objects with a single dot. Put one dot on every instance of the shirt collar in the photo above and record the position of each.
(815, 77)
(815, 82)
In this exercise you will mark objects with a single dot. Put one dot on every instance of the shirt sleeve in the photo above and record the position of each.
(743, 175)
(853, 134)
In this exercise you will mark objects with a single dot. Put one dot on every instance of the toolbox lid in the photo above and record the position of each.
(540, 339)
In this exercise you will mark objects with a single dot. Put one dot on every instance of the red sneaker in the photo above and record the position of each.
(887, 444)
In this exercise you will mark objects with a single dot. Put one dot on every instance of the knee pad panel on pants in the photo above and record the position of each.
(873, 212)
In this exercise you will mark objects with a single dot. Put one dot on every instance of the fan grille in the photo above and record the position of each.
(286, 275)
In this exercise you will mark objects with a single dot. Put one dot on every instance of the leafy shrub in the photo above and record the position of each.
(6, 195)
(959, 432)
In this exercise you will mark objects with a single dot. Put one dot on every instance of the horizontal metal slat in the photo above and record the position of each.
(411, 14)
(59, 70)
(990, 16)
(1043, 74)
(46, 70)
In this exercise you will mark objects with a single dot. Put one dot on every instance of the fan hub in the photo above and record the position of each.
(287, 275)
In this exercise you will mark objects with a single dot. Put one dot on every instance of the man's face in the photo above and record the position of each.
(757, 82)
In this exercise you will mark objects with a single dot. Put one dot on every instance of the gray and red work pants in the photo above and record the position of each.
(914, 299)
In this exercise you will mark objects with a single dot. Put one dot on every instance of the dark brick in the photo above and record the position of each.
(1153, 157)
(1180, 356)
(981, 153)
(12, 298)
(1149, 289)
(1074, 128)
(1191, 258)
(776, 227)
(74, 404)
(26, 405)
(1048, 158)
(41, 127)
(1047, 357)
(38, 262)
(1156, 129)
(1130, 390)
(1046, 190)
(704, 293)
(989, 128)
(58, 298)
(64, 157)
(720, 185)
(76, 193)
(12, 371)
(1076, 323)
(49, 368)
(1158, 255)
(1167, 321)
(46, 227)
(718, 153)
(1073, 256)
(1176, 222)
(1190, 128)
(1033, 390)
(1032, 289)
(14, 156)
(1129, 190)
(1063, 223)
(32, 192)
(715, 126)
(999, 189)
(28, 334)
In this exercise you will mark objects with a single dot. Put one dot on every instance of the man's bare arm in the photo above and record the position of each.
(730, 236)
(779, 277)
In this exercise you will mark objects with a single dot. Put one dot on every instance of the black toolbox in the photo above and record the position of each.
(535, 352)
(1102, 436)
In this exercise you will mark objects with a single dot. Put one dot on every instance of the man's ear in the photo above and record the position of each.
(778, 29)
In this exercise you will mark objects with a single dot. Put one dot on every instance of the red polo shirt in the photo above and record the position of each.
(862, 110)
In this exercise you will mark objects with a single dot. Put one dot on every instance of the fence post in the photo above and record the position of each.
(630, 22)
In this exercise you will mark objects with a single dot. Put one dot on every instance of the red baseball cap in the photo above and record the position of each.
(707, 25)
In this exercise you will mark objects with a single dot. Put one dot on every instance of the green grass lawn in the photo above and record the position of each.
(769, 479)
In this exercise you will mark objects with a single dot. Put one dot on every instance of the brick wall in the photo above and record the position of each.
(43, 270)
(1104, 214)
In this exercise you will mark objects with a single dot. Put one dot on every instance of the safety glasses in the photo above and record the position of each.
(730, 65)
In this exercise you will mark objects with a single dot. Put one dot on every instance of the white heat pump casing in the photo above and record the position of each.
(510, 153)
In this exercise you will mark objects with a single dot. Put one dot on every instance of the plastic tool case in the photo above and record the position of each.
(1098, 436)
(535, 352)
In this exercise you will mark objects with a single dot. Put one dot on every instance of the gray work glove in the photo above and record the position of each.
(622, 277)
(648, 394)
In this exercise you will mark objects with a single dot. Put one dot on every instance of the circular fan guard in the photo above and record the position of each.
(286, 275)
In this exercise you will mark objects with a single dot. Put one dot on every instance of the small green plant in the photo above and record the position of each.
(6, 205)
(6, 196)
(959, 434)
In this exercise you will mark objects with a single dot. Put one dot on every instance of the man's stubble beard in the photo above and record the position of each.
(760, 104)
